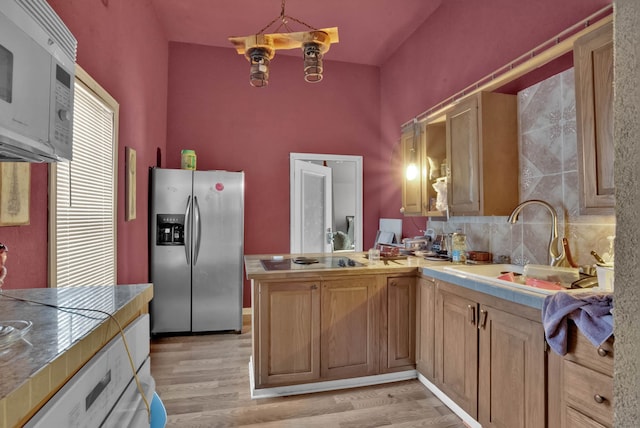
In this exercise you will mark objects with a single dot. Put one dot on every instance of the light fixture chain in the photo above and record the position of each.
(282, 17)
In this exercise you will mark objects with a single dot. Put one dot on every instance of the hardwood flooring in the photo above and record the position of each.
(203, 381)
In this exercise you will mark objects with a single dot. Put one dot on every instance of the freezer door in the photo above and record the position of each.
(218, 251)
(170, 270)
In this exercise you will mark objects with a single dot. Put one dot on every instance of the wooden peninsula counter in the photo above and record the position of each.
(335, 323)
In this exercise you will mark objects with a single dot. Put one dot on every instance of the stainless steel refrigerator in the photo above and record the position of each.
(196, 250)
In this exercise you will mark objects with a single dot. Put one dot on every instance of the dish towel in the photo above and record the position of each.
(590, 312)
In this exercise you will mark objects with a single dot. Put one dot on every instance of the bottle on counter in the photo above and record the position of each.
(459, 248)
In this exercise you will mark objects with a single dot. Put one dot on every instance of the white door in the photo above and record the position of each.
(311, 230)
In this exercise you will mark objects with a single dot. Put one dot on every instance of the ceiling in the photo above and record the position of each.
(369, 30)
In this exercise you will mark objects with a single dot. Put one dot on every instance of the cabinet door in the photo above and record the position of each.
(401, 324)
(289, 336)
(349, 319)
(593, 59)
(411, 145)
(456, 349)
(511, 371)
(425, 306)
(463, 142)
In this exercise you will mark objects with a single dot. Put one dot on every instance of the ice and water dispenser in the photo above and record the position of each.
(170, 229)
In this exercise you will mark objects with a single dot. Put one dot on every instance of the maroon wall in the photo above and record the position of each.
(462, 42)
(121, 45)
(234, 126)
(211, 108)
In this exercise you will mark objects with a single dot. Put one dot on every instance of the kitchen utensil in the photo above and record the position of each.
(597, 257)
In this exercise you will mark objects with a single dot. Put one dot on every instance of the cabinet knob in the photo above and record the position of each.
(603, 352)
(314, 287)
(599, 398)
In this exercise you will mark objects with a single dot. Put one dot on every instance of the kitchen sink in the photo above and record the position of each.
(506, 275)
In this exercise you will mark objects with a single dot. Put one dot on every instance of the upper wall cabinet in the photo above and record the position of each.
(593, 62)
(482, 153)
(424, 154)
(412, 158)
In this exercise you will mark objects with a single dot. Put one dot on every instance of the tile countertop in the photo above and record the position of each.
(515, 295)
(59, 342)
(434, 269)
(255, 269)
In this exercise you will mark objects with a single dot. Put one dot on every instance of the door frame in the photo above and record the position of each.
(357, 160)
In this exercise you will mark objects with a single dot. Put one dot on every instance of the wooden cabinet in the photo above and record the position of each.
(456, 349)
(511, 383)
(412, 176)
(587, 374)
(482, 154)
(332, 328)
(288, 333)
(491, 362)
(593, 62)
(349, 323)
(424, 145)
(425, 307)
(400, 336)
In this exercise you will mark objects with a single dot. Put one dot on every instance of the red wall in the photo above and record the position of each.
(234, 126)
(121, 45)
(462, 42)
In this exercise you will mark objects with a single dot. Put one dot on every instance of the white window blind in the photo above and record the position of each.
(84, 250)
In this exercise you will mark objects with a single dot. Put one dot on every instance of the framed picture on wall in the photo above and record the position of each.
(130, 184)
(15, 191)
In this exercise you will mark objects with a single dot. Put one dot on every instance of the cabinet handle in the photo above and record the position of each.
(603, 352)
(314, 287)
(599, 398)
(472, 314)
(483, 318)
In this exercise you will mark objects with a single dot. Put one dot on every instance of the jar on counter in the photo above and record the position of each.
(188, 160)
(459, 248)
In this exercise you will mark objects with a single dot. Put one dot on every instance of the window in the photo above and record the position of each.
(82, 202)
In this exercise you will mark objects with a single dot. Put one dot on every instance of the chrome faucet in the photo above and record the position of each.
(556, 251)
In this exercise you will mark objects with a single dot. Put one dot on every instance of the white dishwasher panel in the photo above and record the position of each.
(89, 396)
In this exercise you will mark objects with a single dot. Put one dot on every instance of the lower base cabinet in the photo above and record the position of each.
(425, 306)
(332, 328)
(287, 332)
(490, 362)
(511, 382)
(456, 349)
(587, 378)
(350, 311)
(399, 340)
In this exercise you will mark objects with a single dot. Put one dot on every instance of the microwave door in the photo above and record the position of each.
(25, 79)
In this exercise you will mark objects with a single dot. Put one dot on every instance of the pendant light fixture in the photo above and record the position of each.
(260, 48)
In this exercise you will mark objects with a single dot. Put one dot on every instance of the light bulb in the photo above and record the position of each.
(412, 171)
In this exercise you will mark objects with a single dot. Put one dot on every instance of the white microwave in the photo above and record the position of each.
(37, 63)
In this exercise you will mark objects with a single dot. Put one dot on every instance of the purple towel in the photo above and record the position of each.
(590, 312)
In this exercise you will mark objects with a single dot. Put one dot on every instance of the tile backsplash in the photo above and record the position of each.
(548, 171)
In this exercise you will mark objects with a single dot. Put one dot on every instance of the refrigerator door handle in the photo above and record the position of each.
(187, 231)
(196, 230)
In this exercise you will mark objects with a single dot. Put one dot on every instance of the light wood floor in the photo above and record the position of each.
(203, 381)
